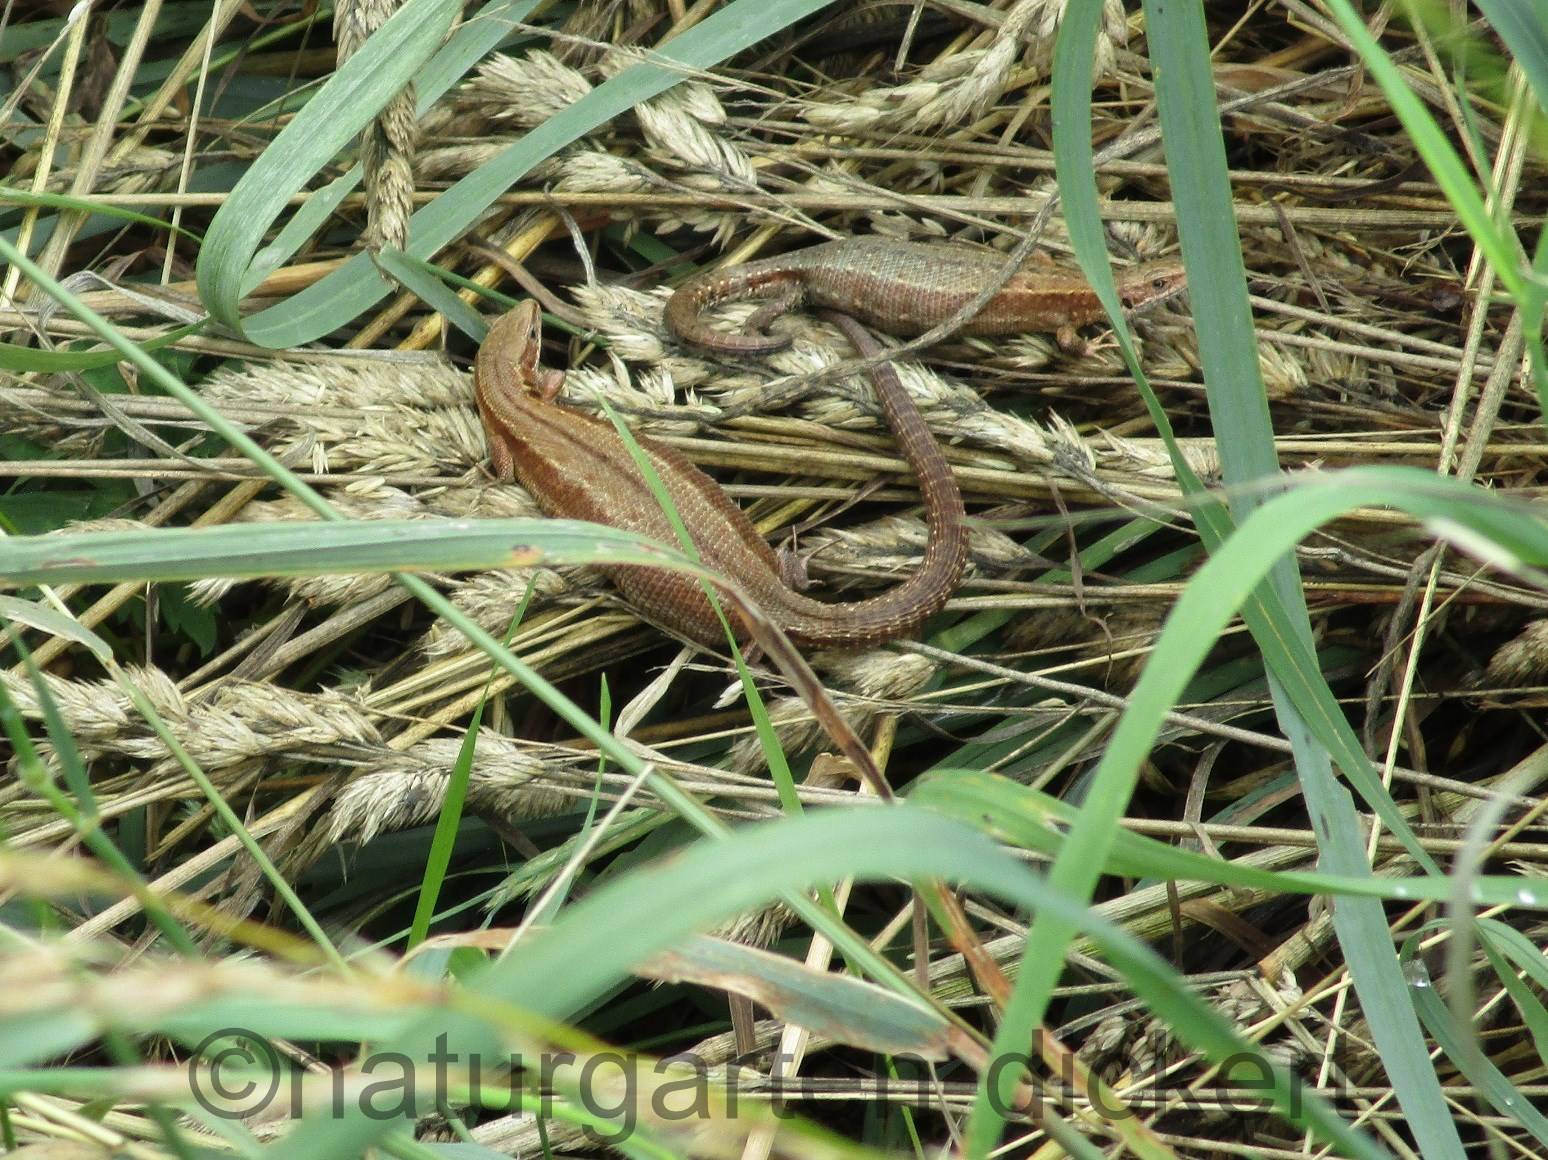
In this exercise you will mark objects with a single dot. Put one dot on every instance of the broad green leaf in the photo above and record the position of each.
(836, 1007)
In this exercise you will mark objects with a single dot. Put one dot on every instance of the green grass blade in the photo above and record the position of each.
(353, 288)
(34, 773)
(590, 948)
(310, 549)
(1212, 254)
(447, 822)
(55, 623)
(853, 947)
(25, 359)
(1450, 173)
(1534, 1015)
(1461, 1047)
(428, 282)
(1244, 433)
(1523, 29)
(779, 764)
(9, 195)
(334, 115)
(1032, 820)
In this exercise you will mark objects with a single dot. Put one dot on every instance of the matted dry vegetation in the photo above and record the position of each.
(329, 711)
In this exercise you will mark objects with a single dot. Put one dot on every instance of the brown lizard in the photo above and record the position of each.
(577, 467)
(907, 288)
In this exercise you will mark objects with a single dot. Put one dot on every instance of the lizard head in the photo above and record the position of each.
(511, 349)
(1152, 283)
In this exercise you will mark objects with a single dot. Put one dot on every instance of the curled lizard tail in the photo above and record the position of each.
(900, 611)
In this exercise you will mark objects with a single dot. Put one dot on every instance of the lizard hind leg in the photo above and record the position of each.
(1071, 343)
(785, 299)
(792, 568)
(548, 385)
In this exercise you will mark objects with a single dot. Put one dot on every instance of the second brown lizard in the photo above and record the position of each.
(907, 288)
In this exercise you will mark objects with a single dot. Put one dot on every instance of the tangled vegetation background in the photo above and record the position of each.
(341, 781)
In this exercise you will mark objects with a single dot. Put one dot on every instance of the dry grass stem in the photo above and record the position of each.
(330, 711)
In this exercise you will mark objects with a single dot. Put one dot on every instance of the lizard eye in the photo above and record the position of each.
(1158, 283)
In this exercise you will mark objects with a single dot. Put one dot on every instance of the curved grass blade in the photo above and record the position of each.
(229, 263)
(9, 195)
(24, 359)
(1499, 943)
(1277, 616)
(1456, 183)
(471, 41)
(1239, 414)
(1204, 609)
(311, 549)
(591, 947)
(1024, 817)
(355, 286)
(1461, 1046)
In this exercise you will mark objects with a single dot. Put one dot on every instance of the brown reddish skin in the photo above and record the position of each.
(907, 288)
(576, 467)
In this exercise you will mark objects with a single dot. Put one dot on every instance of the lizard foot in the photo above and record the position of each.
(792, 569)
(1072, 344)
